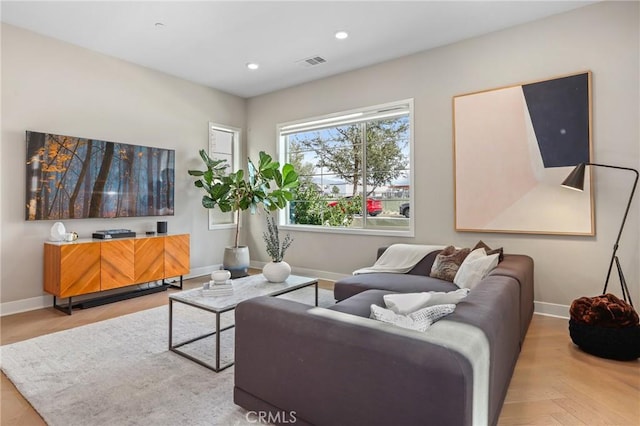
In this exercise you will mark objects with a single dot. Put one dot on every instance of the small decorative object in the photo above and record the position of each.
(58, 232)
(221, 276)
(277, 270)
(161, 227)
(70, 236)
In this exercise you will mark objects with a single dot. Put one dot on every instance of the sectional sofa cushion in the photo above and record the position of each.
(360, 304)
(399, 283)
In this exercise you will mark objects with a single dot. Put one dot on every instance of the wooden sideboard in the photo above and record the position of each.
(90, 266)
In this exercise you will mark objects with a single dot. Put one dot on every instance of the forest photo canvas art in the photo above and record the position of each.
(71, 178)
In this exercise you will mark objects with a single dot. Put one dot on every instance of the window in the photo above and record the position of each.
(355, 170)
(224, 144)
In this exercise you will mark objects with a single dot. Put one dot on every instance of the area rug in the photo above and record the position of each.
(120, 371)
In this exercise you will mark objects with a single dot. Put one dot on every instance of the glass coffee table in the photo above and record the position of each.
(243, 289)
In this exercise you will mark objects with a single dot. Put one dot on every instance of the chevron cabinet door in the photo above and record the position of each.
(176, 255)
(117, 264)
(72, 269)
(149, 259)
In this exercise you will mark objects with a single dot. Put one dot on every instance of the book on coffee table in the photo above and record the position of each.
(213, 289)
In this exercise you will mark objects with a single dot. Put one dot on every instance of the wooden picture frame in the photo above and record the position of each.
(513, 147)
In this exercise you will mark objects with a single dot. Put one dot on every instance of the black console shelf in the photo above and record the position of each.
(112, 298)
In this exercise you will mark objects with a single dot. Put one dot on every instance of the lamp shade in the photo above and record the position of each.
(575, 180)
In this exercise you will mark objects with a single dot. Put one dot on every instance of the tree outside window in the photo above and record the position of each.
(349, 166)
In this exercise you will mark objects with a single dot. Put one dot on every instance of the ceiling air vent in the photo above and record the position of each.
(311, 61)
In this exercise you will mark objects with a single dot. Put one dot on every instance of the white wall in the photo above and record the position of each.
(603, 38)
(55, 87)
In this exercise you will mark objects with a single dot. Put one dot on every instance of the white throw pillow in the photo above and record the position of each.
(474, 268)
(476, 254)
(419, 320)
(404, 304)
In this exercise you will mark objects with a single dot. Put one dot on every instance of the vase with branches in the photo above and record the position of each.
(275, 248)
(277, 270)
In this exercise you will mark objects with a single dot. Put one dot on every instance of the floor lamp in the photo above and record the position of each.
(575, 180)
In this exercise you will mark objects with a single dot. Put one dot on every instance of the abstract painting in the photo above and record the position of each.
(513, 147)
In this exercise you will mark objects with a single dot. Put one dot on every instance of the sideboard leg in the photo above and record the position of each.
(169, 284)
(68, 310)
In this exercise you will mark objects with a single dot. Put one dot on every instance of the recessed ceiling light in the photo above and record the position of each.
(341, 35)
(253, 66)
(159, 24)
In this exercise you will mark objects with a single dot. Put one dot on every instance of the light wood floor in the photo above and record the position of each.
(554, 382)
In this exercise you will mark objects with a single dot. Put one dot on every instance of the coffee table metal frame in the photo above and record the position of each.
(176, 297)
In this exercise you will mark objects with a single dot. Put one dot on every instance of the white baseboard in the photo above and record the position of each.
(25, 305)
(204, 270)
(551, 309)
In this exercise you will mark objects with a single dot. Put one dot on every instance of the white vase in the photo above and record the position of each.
(276, 272)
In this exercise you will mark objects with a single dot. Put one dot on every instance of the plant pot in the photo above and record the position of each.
(236, 261)
(276, 272)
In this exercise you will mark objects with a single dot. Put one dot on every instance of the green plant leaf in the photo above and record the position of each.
(204, 156)
(290, 177)
(208, 176)
(219, 191)
(277, 177)
(225, 206)
(208, 202)
(264, 159)
(288, 195)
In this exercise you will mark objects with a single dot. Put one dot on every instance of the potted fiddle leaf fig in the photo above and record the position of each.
(265, 185)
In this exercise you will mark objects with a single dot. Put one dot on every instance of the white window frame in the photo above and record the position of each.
(335, 119)
(218, 219)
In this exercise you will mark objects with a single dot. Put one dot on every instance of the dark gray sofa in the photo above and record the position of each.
(338, 367)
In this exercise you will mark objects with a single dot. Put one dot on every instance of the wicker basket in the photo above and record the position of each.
(621, 344)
